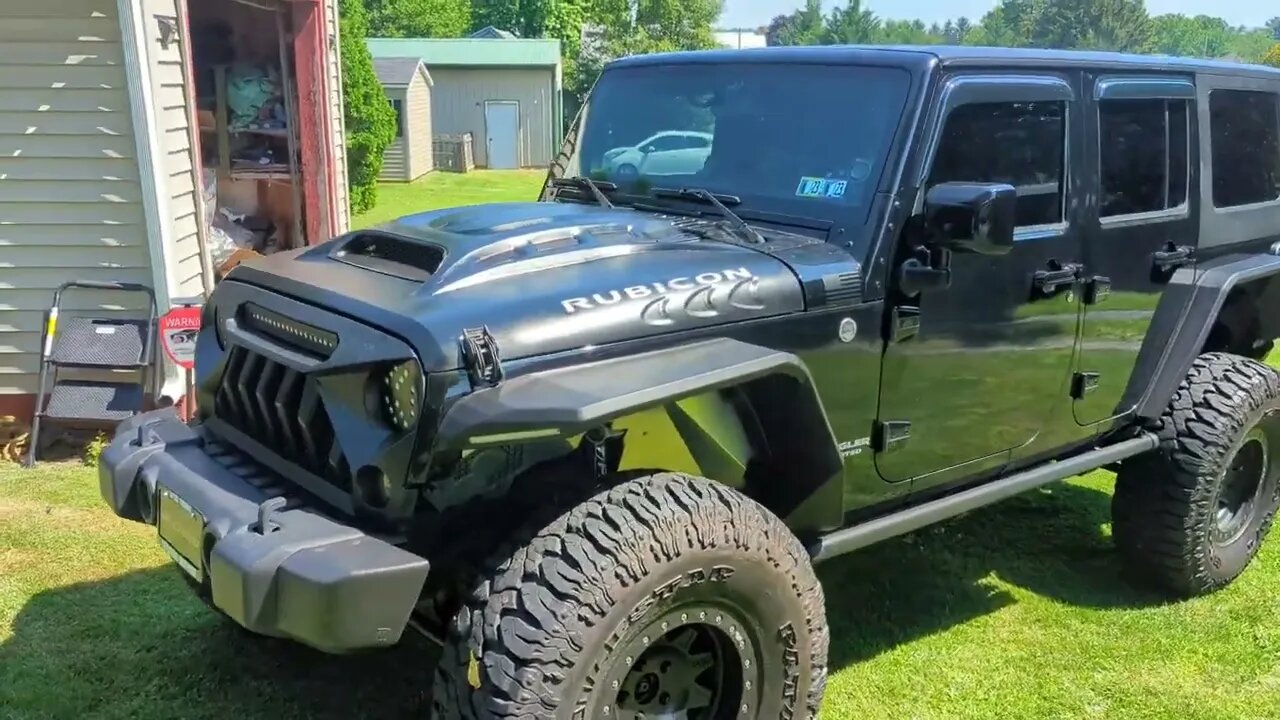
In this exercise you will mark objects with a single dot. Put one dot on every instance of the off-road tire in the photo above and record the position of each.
(548, 622)
(1166, 506)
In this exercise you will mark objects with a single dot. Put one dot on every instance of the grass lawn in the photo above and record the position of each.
(445, 189)
(1016, 611)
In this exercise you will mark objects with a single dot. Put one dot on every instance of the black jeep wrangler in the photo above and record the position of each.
(772, 306)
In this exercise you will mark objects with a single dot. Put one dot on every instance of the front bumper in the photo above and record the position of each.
(271, 564)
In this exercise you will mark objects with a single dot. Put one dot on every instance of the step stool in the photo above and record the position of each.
(89, 344)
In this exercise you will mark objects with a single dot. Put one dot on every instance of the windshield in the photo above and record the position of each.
(805, 140)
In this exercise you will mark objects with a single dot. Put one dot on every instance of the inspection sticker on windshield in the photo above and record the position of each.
(816, 187)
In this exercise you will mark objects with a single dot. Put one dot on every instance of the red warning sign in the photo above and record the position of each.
(178, 330)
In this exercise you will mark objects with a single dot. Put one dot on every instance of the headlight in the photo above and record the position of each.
(402, 395)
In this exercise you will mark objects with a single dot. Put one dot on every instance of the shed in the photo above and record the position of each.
(408, 87)
(101, 170)
(505, 92)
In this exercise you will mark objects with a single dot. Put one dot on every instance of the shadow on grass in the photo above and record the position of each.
(142, 646)
(1050, 543)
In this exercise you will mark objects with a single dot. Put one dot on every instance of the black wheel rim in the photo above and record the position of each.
(695, 663)
(1241, 486)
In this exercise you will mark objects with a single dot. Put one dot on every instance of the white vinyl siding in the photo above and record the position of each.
(336, 116)
(70, 200)
(177, 158)
(417, 111)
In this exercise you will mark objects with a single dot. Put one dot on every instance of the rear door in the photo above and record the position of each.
(1142, 228)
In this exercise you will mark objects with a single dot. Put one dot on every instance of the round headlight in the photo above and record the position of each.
(402, 395)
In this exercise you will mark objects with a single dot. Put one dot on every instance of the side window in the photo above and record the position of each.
(1245, 140)
(1020, 144)
(1144, 147)
(667, 142)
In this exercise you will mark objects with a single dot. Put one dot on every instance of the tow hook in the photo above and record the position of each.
(268, 508)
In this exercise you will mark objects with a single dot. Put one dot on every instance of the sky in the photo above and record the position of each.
(754, 13)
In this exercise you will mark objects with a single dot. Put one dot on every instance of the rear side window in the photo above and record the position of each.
(1245, 134)
(1144, 149)
(1018, 144)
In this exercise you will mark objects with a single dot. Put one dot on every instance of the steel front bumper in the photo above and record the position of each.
(302, 576)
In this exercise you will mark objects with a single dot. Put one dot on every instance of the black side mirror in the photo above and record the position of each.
(972, 217)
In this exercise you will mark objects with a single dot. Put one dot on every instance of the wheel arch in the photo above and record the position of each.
(1216, 307)
(748, 416)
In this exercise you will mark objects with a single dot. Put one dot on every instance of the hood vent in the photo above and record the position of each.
(395, 255)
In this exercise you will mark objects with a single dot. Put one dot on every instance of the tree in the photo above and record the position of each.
(418, 18)
(853, 25)
(370, 121)
(805, 26)
(1201, 36)
(1121, 25)
(963, 28)
(1250, 45)
(1273, 26)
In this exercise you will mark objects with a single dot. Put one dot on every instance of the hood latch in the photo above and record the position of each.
(480, 357)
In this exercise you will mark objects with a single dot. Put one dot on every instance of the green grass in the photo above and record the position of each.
(443, 189)
(1017, 611)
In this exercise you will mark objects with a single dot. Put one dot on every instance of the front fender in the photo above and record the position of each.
(566, 401)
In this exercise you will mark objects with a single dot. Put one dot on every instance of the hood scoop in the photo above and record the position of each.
(553, 248)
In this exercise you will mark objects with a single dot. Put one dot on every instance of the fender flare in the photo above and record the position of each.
(565, 401)
(1191, 305)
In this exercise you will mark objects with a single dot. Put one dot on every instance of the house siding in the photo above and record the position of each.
(459, 94)
(178, 156)
(337, 117)
(70, 197)
(417, 110)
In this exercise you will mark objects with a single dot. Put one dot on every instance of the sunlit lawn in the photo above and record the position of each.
(1018, 611)
(445, 189)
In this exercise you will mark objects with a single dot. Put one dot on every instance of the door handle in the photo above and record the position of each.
(1172, 257)
(1047, 283)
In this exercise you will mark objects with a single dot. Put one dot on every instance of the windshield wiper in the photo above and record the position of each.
(597, 188)
(721, 203)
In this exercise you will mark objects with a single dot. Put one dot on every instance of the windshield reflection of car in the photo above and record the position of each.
(782, 139)
(665, 153)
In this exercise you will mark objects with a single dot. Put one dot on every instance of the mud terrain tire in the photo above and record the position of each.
(585, 617)
(1192, 515)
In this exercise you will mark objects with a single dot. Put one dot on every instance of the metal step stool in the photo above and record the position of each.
(122, 345)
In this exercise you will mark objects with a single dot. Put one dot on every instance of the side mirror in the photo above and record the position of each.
(972, 217)
(648, 149)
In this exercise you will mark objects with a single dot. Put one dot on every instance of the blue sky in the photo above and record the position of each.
(752, 13)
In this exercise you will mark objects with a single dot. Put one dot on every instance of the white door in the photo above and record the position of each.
(502, 133)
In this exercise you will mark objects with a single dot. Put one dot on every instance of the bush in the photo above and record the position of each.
(370, 121)
(1272, 57)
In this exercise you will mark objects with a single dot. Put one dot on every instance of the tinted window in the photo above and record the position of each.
(669, 142)
(1245, 132)
(805, 140)
(1019, 144)
(1144, 155)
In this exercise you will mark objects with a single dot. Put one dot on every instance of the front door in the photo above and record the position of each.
(1145, 228)
(502, 134)
(991, 357)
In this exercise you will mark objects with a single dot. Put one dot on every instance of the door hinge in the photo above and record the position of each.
(890, 435)
(904, 323)
(1097, 289)
(480, 357)
(1083, 383)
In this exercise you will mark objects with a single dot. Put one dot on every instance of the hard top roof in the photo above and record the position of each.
(953, 56)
